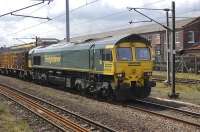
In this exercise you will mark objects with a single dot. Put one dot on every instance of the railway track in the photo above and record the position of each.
(82, 123)
(59, 117)
(168, 107)
(152, 104)
(178, 80)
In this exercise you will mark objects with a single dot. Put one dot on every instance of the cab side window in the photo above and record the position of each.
(36, 60)
(106, 54)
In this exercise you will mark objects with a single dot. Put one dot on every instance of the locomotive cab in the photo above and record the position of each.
(133, 69)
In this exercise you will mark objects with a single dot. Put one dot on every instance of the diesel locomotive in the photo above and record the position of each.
(118, 67)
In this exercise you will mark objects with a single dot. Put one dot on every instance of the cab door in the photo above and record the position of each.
(92, 58)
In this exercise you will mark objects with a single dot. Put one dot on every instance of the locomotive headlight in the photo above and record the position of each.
(120, 75)
(147, 74)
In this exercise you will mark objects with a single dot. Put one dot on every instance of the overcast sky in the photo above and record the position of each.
(99, 16)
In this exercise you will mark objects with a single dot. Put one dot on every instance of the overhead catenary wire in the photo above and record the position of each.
(26, 17)
(117, 13)
(35, 10)
(30, 16)
(72, 10)
(84, 5)
(120, 25)
(60, 15)
(35, 25)
(101, 17)
(31, 13)
(32, 26)
(113, 27)
(9, 13)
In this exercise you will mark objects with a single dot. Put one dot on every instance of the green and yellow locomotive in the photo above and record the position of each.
(119, 66)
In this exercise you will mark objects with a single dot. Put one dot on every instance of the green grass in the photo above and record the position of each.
(188, 92)
(8, 123)
(178, 75)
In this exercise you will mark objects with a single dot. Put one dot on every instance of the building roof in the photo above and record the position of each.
(194, 49)
(134, 30)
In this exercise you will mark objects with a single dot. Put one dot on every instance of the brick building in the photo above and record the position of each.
(187, 35)
(192, 51)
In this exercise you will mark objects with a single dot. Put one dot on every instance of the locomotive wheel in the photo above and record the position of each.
(147, 91)
(43, 78)
(121, 94)
(79, 86)
(143, 92)
(29, 77)
(20, 75)
(107, 92)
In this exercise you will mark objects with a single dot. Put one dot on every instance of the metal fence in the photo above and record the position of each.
(184, 64)
(187, 78)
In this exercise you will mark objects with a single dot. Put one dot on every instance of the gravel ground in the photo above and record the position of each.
(115, 116)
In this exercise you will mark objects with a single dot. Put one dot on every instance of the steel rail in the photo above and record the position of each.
(179, 80)
(163, 115)
(59, 127)
(50, 115)
(98, 125)
(169, 107)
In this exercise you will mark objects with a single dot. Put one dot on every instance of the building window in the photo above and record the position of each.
(177, 37)
(149, 37)
(190, 36)
(156, 38)
(157, 50)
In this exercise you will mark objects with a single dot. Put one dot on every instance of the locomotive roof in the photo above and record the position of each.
(99, 44)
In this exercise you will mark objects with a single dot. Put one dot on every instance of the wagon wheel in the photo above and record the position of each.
(107, 92)
(80, 88)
